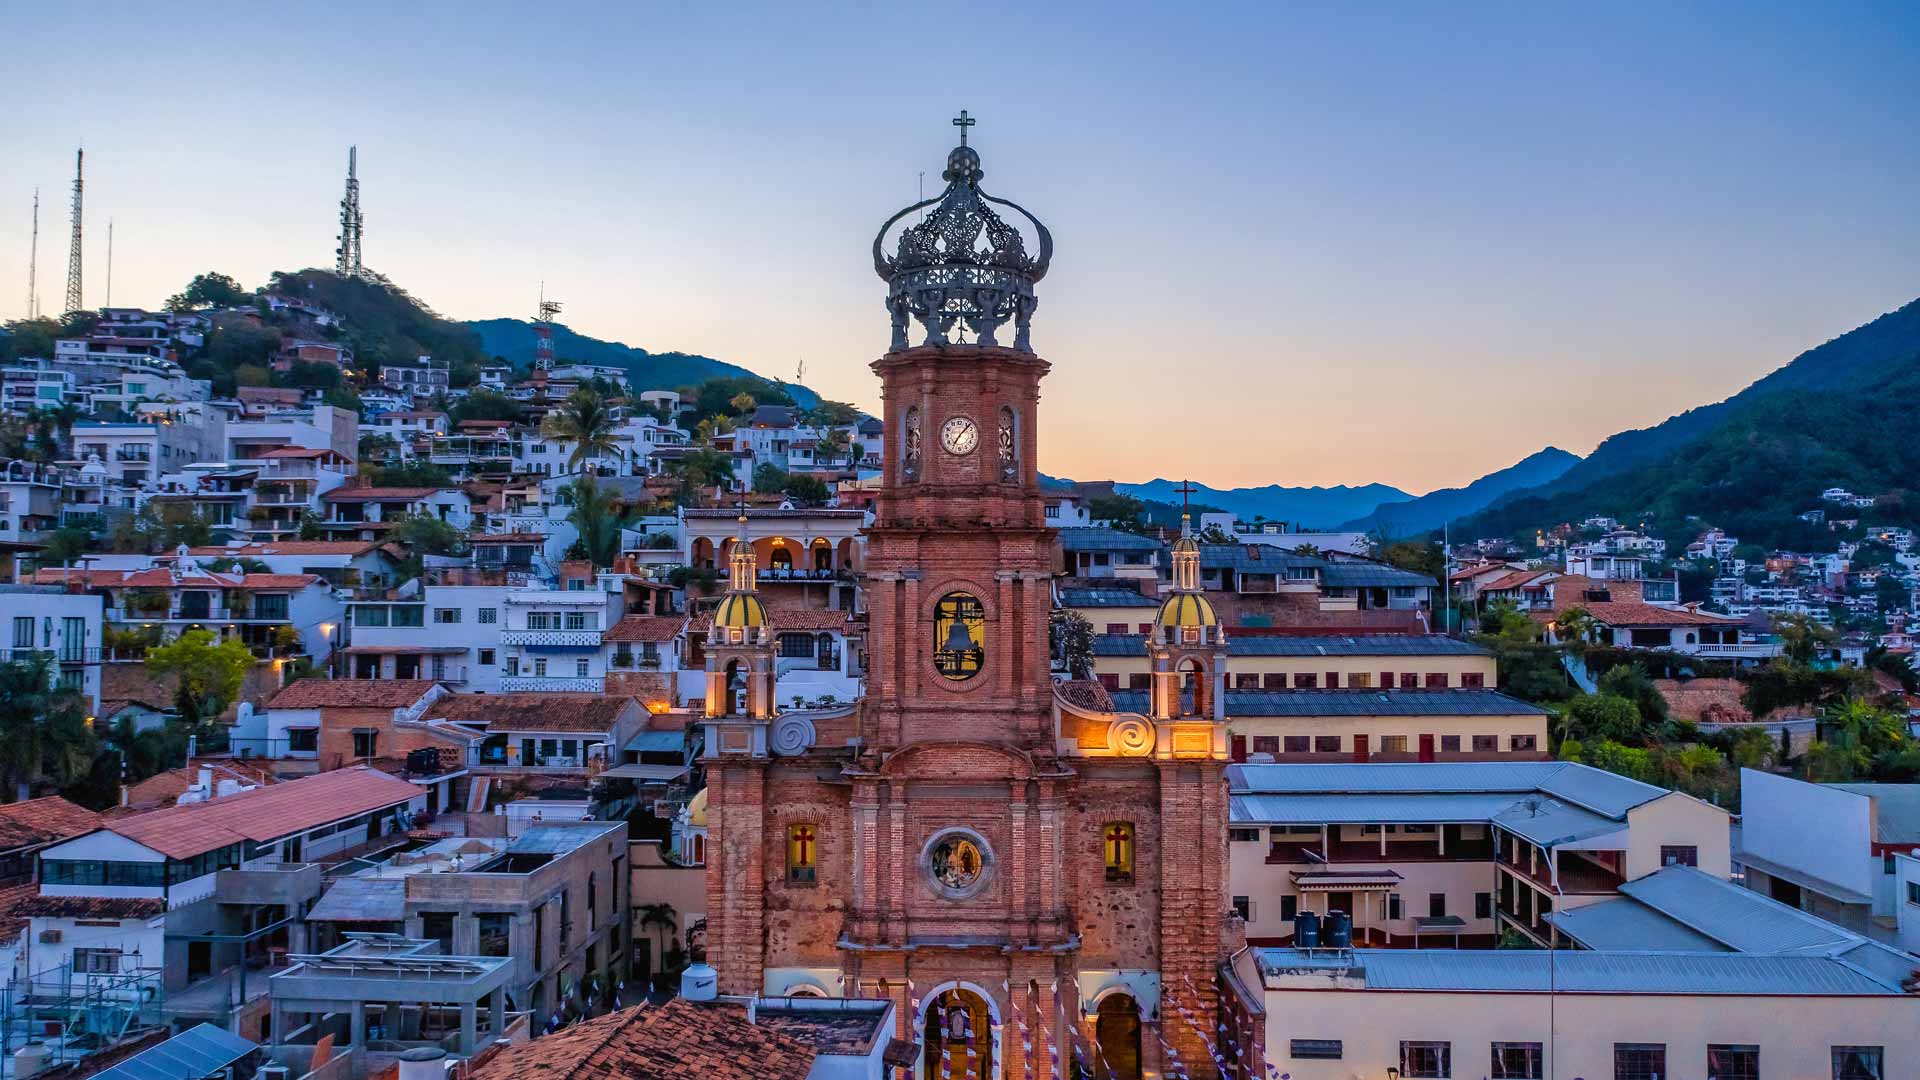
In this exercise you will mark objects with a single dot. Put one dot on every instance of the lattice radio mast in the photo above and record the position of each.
(73, 250)
(33, 262)
(543, 331)
(347, 255)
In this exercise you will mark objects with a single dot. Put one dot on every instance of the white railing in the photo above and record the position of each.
(591, 684)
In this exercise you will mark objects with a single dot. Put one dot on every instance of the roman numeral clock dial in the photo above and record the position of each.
(959, 436)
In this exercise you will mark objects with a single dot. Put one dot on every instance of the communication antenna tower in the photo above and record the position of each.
(73, 249)
(33, 262)
(347, 255)
(543, 331)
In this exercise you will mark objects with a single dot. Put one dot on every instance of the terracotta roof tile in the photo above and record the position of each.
(655, 628)
(43, 821)
(164, 789)
(11, 921)
(1087, 694)
(680, 1039)
(285, 547)
(1623, 613)
(369, 494)
(595, 713)
(91, 907)
(267, 813)
(351, 694)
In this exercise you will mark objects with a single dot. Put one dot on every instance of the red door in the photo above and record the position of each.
(1426, 748)
(1359, 748)
(1239, 747)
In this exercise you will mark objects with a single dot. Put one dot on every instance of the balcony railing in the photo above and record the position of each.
(63, 655)
(553, 684)
(551, 637)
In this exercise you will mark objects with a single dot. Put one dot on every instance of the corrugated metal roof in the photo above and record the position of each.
(1581, 972)
(1309, 646)
(1371, 576)
(1896, 810)
(1450, 809)
(1625, 924)
(1550, 822)
(1096, 538)
(658, 742)
(1736, 916)
(1261, 559)
(1582, 785)
(1356, 703)
(1106, 598)
(195, 1053)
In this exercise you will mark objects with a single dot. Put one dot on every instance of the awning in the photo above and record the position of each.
(646, 774)
(658, 742)
(1350, 881)
(1438, 924)
(404, 650)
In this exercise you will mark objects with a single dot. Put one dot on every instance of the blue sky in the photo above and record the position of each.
(1305, 246)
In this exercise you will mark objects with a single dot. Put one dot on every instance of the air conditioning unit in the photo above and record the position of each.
(273, 1072)
(49, 937)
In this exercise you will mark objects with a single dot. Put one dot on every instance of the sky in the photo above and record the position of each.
(1297, 244)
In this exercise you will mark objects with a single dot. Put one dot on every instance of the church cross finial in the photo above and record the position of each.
(963, 122)
(1185, 489)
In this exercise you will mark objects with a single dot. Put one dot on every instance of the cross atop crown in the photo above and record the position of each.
(963, 122)
(1185, 489)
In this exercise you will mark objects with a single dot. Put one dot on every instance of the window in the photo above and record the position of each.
(1449, 744)
(1393, 744)
(1243, 836)
(1296, 744)
(1886, 863)
(363, 743)
(1486, 744)
(446, 615)
(409, 614)
(96, 961)
(959, 636)
(803, 854)
(73, 645)
(1139, 682)
(1266, 744)
(1437, 905)
(1426, 1059)
(1639, 1061)
(1326, 744)
(1243, 907)
(1473, 680)
(580, 668)
(1246, 681)
(1289, 907)
(1396, 908)
(1436, 680)
(488, 616)
(1314, 1049)
(1409, 680)
(494, 938)
(1305, 680)
(543, 620)
(1679, 855)
(1524, 743)
(23, 631)
(486, 657)
(1733, 1062)
(1116, 843)
(303, 739)
(1859, 1063)
(1483, 905)
(370, 615)
(1913, 892)
(513, 665)
(1360, 680)
(1116, 628)
(576, 620)
(1517, 1061)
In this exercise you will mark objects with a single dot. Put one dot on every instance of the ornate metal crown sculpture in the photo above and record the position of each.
(962, 263)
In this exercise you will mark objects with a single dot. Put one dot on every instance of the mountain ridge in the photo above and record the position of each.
(1436, 508)
(514, 340)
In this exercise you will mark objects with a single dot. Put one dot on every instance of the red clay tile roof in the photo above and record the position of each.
(162, 578)
(1087, 694)
(11, 921)
(92, 907)
(351, 694)
(43, 821)
(286, 547)
(267, 813)
(1513, 580)
(163, 789)
(588, 713)
(680, 1039)
(1624, 613)
(257, 582)
(656, 628)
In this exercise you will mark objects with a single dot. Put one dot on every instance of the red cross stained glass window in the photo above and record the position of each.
(1117, 840)
(803, 853)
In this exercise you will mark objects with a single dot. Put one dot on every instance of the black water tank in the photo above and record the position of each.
(1339, 930)
(1306, 930)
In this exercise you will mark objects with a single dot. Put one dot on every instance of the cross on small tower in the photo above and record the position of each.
(963, 122)
(1185, 489)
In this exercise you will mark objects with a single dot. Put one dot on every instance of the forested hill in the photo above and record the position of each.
(1760, 467)
(1856, 359)
(513, 339)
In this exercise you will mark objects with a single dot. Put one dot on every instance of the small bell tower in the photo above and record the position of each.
(1188, 646)
(740, 655)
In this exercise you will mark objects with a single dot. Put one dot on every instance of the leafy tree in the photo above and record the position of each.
(427, 535)
(717, 396)
(43, 729)
(414, 473)
(704, 468)
(211, 673)
(1214, 534)
(1592, 718)
(742, 403)
(29, 339)
(484, 405)
(833, 414)
(1503, 619)
(1073, 642)
(1575, 626)
(64, 545)
(599, 516)
(211, 289)
(1122, 511)
(1801, 639)
(1419, 556)
(585, 421)
(1630, 682)
(769, 478)
(807, 490)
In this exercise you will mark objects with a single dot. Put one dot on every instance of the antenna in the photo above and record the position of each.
(109, 300)
(73, 249)
(347, 255)
(543, 331)
(33, 262)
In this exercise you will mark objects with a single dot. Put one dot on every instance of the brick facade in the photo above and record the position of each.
(979, 754)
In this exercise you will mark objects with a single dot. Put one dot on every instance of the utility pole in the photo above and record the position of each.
(73, 249)
(33, 262)
(109, 300)
(347, 255)
(543, 331)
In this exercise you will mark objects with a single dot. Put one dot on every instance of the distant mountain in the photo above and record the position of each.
(1436, 508)
(513, 339)
(1844, 415)
(1853, 360)
(1305, 507)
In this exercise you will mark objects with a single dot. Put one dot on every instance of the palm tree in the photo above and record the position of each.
(835, 443)
(1575, 626)
(660, 915)
(584, 420)
(599, 517)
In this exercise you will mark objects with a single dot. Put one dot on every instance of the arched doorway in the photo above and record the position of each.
(957, 1031)
(781, 558)
(822, 552)
(702, 556)
(1116, 1032)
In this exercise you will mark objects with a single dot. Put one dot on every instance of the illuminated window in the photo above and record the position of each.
(1117, 842)
(959, 636)
(803, 854)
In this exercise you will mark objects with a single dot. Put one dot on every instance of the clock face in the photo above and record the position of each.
(959, 436)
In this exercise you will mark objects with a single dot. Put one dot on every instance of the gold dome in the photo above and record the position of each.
(1187, 609)
(740, 610)
(697, 810)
